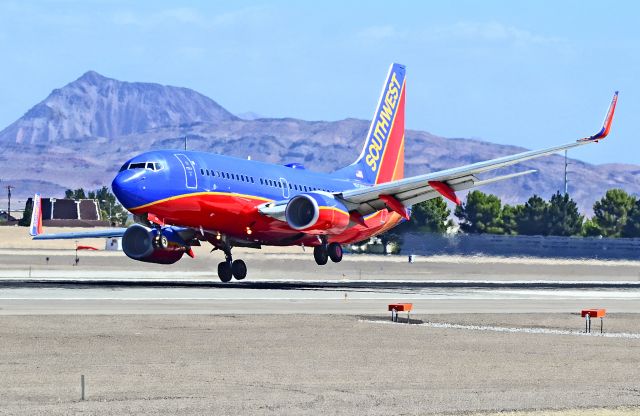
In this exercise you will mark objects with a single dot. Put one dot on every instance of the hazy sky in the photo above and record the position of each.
(526, 73)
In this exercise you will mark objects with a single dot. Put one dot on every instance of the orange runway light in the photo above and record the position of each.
(401, 307)
(593, 313)
(589, 314)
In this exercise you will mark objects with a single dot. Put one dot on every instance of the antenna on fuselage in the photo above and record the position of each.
(185, 142)
(249, 157)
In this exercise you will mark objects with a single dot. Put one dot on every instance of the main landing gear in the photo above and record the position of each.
(231, 268)
(324, 252)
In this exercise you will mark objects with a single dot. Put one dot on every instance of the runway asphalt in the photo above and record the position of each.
(289, 283)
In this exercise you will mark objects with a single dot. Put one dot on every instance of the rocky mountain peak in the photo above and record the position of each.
(92, 77)
(97, 106)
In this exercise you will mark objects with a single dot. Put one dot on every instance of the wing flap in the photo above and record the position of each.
(427, 191)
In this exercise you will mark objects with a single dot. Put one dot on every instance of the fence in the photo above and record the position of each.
(521, 245)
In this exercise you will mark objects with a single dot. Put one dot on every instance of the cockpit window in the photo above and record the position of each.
(143, 165)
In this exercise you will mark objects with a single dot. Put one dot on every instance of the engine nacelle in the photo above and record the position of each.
(317, 213)
(138, 244)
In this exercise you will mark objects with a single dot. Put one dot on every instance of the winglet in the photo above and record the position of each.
(35, 228)
(606, 126)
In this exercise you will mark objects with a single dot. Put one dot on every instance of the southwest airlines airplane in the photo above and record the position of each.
(181, 198)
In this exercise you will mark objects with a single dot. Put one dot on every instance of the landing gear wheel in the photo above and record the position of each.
(224, 271)
(239, 269)
(335, 252)
(160, 241)
(321, 255)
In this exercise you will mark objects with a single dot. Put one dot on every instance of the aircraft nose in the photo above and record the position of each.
(125, 187)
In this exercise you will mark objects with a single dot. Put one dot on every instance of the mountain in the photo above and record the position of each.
(96, 106)
(81, 134)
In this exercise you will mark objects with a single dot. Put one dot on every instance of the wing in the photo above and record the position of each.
(399, 194)
(396, 195)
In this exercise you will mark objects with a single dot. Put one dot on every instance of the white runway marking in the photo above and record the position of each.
(514, 330)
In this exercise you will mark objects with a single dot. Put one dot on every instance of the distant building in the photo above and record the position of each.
(60, 212)
(4, 217)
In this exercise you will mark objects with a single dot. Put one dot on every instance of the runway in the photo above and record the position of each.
(47, 282)
(170, 296)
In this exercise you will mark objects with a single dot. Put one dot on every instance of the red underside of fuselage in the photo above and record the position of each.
(237, 216)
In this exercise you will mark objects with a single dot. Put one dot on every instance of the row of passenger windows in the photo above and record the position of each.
(218, 174)
(250, 179)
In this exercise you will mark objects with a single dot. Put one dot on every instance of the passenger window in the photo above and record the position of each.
(202, 171)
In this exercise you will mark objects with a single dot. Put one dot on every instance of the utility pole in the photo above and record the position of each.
(566, 181)
(108, 203)
(9, 188)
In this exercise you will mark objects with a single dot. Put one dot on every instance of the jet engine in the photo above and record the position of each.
(144, 244)
(317, 213)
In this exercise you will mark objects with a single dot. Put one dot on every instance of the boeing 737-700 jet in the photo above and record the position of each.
(183, 198)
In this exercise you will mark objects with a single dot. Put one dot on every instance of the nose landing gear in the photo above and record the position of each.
(231, 268)
(160, 240)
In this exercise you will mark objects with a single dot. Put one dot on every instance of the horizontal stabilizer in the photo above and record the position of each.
(106, 233)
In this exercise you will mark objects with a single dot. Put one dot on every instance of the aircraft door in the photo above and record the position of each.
(189, 171)
(285, 188)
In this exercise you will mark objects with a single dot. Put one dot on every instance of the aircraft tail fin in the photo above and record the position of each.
(382, 158)
(35, 228)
